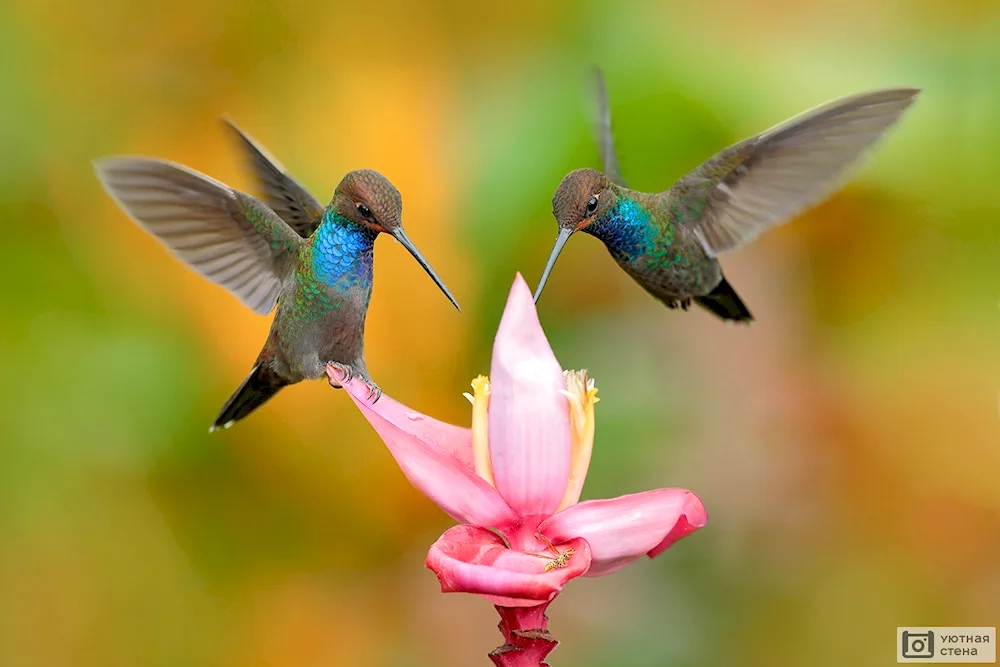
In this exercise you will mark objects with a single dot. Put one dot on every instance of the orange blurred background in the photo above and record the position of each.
(846, 445)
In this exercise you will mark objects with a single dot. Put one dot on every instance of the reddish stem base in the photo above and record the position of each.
(527, 639)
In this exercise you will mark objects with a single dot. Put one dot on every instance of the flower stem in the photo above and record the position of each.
(527, 641)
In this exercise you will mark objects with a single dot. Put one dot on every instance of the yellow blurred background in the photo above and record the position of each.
(846, 445)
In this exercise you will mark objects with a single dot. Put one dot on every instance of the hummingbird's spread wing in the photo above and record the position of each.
(768, 179)
(282, 193)
(229, 237)
(605, 140)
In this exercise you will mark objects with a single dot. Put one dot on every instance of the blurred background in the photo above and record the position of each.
(846, 445)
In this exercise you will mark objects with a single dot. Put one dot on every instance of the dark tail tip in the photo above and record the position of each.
(726, 303)
(256, 390)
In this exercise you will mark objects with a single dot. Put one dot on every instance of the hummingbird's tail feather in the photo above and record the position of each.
(257, 389)
(726, 303)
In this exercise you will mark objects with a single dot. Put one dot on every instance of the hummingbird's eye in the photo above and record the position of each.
(365, 212)
(592, 205)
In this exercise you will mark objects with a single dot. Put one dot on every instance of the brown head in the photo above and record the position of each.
(367, 198)
(584, 196)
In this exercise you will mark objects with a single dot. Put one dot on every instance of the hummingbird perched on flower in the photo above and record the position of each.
(669, 242)
(314, 263)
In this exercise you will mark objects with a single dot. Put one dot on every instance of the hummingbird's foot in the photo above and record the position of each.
(346, 370)
(374, 392)
(685, 303)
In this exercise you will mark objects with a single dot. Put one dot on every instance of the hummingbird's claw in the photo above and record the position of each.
(343, 368)
(374, 392)
(683, 304)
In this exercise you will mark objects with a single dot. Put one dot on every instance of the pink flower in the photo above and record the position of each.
(513, 480)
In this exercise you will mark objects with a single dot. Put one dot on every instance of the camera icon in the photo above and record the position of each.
(918, 644)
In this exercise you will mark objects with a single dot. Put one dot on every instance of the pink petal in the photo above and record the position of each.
(449, 482)
(529, 417)
(449, 439)
(622, 529)
(469, 559)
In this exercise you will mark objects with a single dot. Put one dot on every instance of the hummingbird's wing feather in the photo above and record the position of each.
(605, 139)
(768, 179)
(282, 193)
(229, 237)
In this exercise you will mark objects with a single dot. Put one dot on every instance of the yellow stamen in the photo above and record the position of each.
(480, 428)
(582, 395)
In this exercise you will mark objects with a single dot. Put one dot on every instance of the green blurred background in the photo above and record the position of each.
(846, 445)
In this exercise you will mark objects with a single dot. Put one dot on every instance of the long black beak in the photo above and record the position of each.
(408, 244)
(564, 235)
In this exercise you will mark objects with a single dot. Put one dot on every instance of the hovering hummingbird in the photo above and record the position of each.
(668, 242)
(314, 263)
